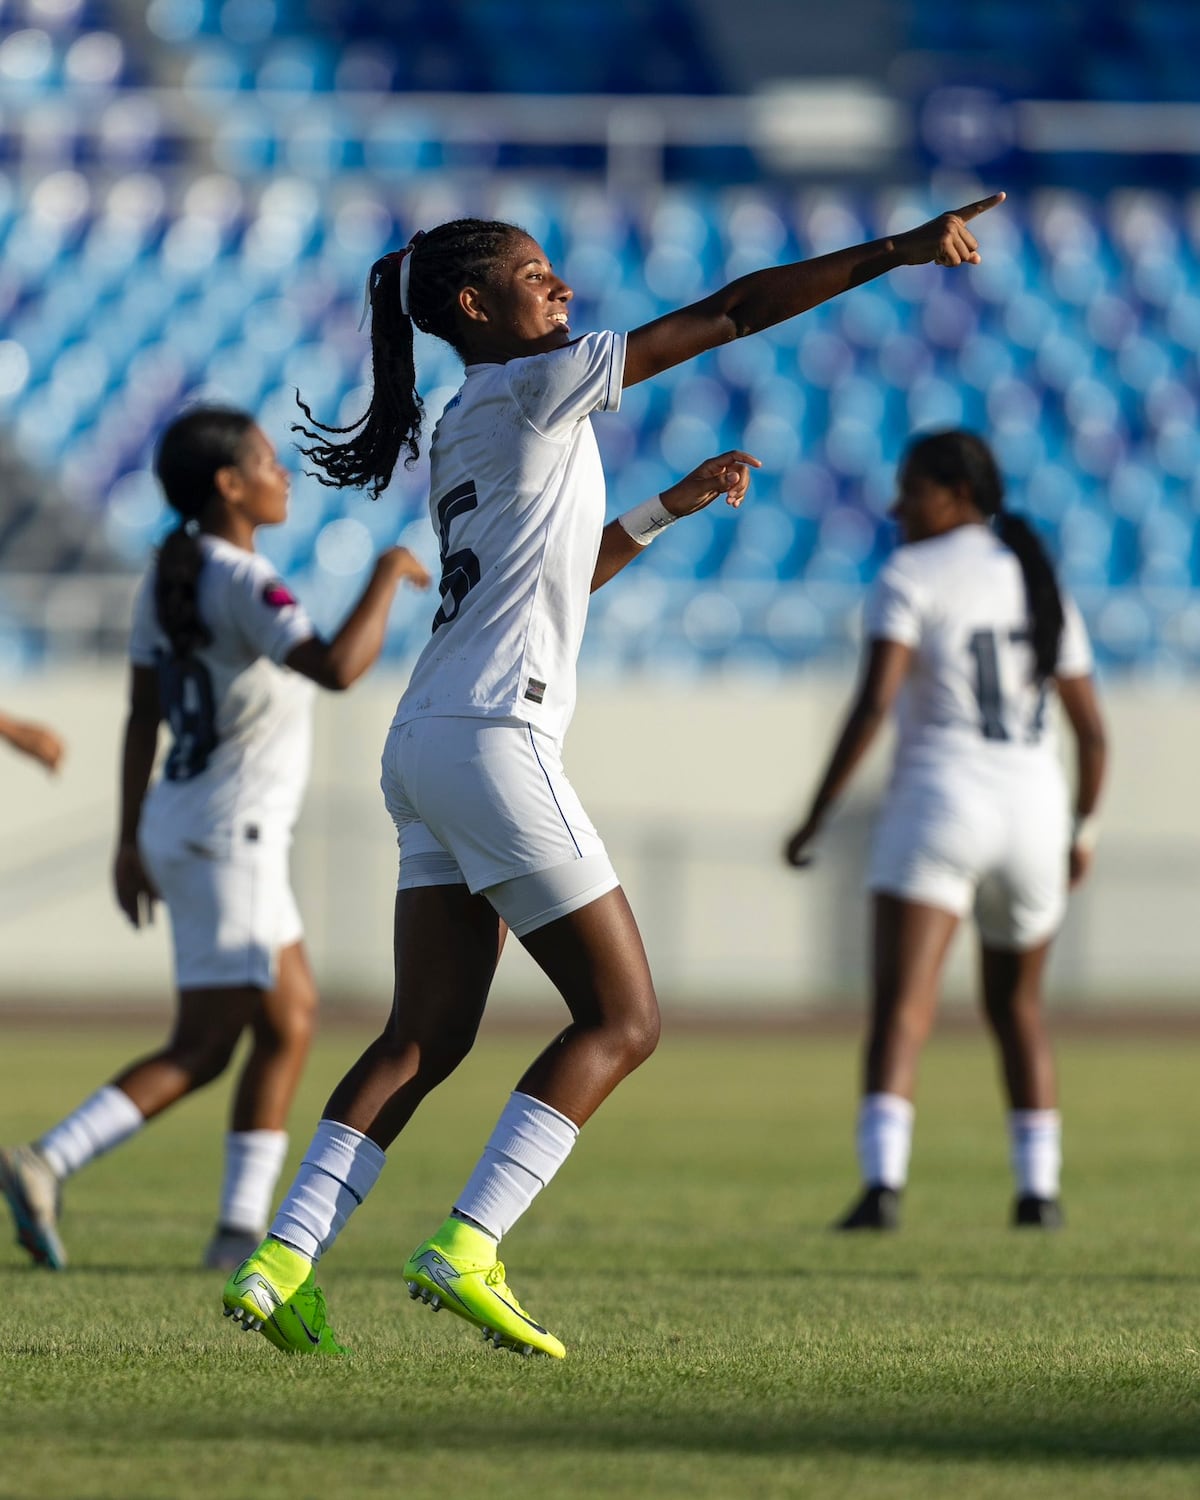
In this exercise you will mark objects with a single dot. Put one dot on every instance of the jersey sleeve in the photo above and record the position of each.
(1074, 647)
(267, 613)
(558, 390)
(893, 608)
(144, 637)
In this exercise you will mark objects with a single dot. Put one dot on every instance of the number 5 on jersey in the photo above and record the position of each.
(460, 570)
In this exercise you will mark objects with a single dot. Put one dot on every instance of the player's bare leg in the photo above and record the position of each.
(1012, 996)
(208, 1025)
(595, 958)
(596, 961)
(447, 945)
(911, 941)
(281, 1032)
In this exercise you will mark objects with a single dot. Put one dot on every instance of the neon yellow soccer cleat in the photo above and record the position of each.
(457, 1268)
(273, 1293)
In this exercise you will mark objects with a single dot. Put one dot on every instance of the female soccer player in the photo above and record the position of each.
(490, 830)
(968, 635)
(221, 651)
(35, 740)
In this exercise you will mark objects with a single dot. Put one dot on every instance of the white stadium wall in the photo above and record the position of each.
(692, 787)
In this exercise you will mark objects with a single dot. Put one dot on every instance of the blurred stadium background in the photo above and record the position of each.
(190, 194)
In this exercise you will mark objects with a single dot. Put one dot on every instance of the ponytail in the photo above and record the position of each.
(392, 420)
(1041, 588)
(176, 592)
(414, 288)
(190, 452)
(956, 458)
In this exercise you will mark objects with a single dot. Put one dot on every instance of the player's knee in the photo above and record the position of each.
(427, 1061)
(298, 1018)
(639, 1030)
(204, 1064)
(440, 1058)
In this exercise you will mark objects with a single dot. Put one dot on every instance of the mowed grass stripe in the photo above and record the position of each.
(721, 1341)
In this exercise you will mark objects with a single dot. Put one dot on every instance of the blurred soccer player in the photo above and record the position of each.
(35, 740)
(223, 652)
(968, 636)
(490, 829)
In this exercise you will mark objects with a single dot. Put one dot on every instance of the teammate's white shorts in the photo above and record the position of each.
(231, 912)
(1000, 851)
(486, 803)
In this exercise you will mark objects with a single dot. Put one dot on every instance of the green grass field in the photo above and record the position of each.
(722, 1343)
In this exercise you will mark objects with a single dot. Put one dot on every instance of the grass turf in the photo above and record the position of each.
(722, 1343)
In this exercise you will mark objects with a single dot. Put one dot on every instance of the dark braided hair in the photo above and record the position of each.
(957, 458)
(191, 450)
(442, 262)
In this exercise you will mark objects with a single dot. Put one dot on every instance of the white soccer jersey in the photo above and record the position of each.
(970, 698)
(241, 722)
(517, 499)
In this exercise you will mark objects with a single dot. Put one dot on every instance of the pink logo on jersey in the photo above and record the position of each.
(278, 595)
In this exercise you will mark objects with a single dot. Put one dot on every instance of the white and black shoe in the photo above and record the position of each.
(35, 1197)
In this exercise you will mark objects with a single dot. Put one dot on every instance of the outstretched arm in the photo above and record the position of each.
(764, 298)
(35, 740)
(886, 668)
(1078, 696)
(337, 663)
(728, 475)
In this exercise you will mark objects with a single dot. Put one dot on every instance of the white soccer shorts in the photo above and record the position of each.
(231, 913)
(997, 850)
(486, 803)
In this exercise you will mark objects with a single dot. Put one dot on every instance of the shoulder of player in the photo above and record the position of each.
(249, 574)
(930, 556)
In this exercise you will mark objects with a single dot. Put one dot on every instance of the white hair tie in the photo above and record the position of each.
(405, 273)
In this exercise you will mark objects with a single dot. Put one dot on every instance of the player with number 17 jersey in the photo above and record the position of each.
(970, 706)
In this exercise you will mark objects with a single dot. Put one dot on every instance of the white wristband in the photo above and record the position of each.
(1085, 833)
(645, 521)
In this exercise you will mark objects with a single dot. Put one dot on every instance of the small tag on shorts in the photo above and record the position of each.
(252, 833)
(536, 690)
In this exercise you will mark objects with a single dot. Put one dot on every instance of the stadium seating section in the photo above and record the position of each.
(125, 289)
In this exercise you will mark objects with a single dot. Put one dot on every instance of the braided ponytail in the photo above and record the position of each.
(962, 458)
(434, 269)
(190, 452)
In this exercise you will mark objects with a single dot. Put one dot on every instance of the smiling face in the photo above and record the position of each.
(521, 310)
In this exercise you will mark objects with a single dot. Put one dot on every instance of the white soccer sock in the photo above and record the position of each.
(1035, 1140)
(884, 1139)
(105, 1120)
(253, 1161)
(529, 1144)
(338, 1171)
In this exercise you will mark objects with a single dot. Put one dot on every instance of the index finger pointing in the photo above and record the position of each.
(973, 210)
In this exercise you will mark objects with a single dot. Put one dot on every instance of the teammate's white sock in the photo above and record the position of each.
(884, 1139)
(1035, 1140)
(101, 1122)
(529, 1144)
(338, 1171)
(253, 1161)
